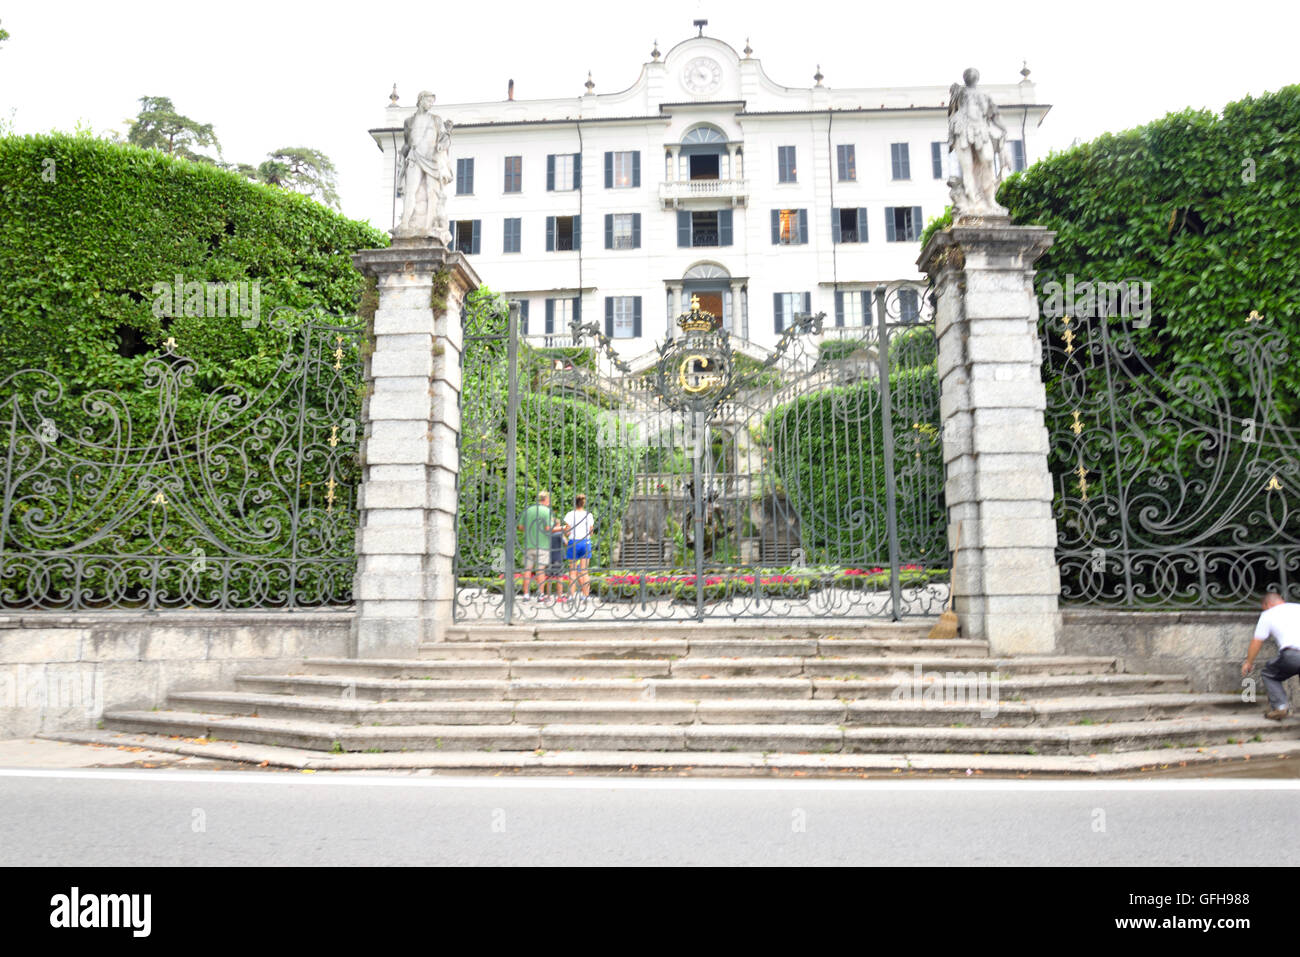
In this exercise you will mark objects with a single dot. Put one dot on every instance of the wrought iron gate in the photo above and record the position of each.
(724, 480)
(185, 492)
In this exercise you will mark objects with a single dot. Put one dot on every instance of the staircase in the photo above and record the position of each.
(581, 695)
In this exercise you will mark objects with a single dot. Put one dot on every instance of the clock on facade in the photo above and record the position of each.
(702, 75)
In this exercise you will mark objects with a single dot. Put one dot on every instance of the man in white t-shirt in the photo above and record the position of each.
(1281, 622)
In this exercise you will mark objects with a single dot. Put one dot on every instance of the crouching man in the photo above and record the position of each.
(1280, 621)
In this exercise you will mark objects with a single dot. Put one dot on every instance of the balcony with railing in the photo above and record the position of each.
(679, 192)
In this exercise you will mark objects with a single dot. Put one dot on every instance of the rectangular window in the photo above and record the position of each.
(849, 225)
(513, 233)
(465, 236)
(514, 174)
(902, 224)
(900, 161)
(623, 231)
(789, 227)
(909, 305)
(785, 165)
(936, 159)
(1017, 155)
(563, 171)
(852, 307)
(846, 162)
(523, 317)
(623, 170)
(560, 314)
(787, 305)
(464, 177)
(709, 228)
(563, 233)
(623, 317)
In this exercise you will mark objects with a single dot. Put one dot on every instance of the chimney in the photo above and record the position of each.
(510, 90)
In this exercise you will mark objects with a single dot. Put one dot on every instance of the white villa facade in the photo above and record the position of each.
(704, 177)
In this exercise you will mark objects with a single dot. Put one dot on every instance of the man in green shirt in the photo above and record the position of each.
(538, 523)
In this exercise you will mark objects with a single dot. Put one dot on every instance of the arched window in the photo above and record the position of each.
(703, 136)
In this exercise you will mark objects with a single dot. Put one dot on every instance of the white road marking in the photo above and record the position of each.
(595, 783)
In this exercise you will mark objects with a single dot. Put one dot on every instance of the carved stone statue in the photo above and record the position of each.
(425, 172)
(976, 135)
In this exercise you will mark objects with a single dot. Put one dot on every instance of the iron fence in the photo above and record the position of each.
(183, 494)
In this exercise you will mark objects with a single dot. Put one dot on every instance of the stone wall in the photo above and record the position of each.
(59, 671)
(1207, 646)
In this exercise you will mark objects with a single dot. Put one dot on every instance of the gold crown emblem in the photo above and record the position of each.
(698, 320)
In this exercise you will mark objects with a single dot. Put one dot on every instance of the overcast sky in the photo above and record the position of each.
(270, 74)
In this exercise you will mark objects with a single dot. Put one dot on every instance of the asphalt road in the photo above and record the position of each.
(174, 817)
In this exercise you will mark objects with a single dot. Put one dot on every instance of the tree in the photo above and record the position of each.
(4, 34)
(303, 170)
(159, 127)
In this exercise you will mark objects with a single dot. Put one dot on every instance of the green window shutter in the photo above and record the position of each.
(577, 232)
(609, 316)
(550, 316)
(609, 230)
(776, 227)
(916, 222)
(609, 170)
(636, 168)
(636, 230)
(683, 228)
(777, 303)
(550, 173)
(866, 307)
(803, 225)
(474, 235)
(636, 316)
(839, 308)
(577, 171)
(862, 224)
(890, 235)
(724, 227)
(835, 227)
(550, 234)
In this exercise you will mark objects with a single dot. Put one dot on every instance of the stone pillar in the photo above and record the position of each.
(677, 304)
(732, 172)
(404, 585)
(991, 404)
(735, 308)
(674, 173)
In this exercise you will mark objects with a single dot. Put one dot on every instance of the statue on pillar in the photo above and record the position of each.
(976, 135)
(425, 173)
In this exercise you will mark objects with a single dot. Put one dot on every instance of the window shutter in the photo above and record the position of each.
(807, 302)
(577, 232)
(550, 316)
(724, 227)
(609, 229)
(550, 234)
(636, 171)
(890, 235)
(523, 317)
(683, 228)
(609, 170)
(636, 230)
(862, 224)
(776, 311)
(839, 308)
(916, 222)
(469, 175)
(776, 227)
(474, 235)
(550, 174)
(577, 308)
(866, 307)
(636, 316)
(803, 225)
(609, 315)
(577, 171)
(835, 227)
(936, 159)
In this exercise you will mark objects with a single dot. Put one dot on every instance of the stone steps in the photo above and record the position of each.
(1195, 730)
(1016, 688)
(1056, 711)
(601, 648)
(914, 629)
(692, 666)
